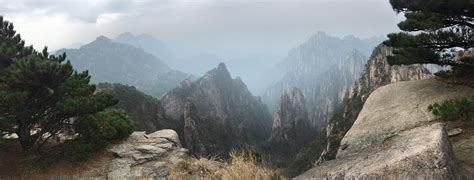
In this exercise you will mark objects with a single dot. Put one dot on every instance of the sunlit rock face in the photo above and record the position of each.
(218, 113)
(323, 68)
(377, 73)
(395, 136)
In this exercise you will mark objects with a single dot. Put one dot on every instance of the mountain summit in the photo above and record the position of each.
(218, 113)
(109, 61)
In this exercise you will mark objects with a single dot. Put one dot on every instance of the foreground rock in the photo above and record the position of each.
(395, 136)
(377, 73)
(140, 156)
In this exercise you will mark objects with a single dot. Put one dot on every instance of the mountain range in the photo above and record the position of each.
(109, 61)
(323, 68)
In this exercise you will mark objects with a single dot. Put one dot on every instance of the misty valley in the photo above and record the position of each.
(189, 90)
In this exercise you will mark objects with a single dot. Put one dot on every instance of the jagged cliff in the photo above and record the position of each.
(291, 129)
(395, 136)
(377, 73)
(323, 67)
(291, 118)
(219, 111)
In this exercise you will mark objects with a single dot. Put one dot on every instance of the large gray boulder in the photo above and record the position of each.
(395, 136)
(145, 155)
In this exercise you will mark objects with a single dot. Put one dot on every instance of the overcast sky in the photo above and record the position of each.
(213, 25)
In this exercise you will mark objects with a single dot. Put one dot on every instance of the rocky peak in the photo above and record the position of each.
(185, 84)
(102, 38)
(220, 73)
(221, 105)
(291, 130)
(291, 119)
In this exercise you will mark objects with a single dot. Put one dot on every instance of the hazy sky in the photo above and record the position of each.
(218, 26)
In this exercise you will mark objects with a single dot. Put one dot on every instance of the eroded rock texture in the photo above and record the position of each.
(377, 73)
(395, 136)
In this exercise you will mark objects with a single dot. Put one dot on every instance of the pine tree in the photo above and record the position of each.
(40, 94)
(433, 33)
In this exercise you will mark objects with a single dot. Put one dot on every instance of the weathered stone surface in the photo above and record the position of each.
(145, 155)
(394, 135)
(377, 73)
(167, 134)
(464, 150)
(420, 152)
(455, 132)
(398, 107)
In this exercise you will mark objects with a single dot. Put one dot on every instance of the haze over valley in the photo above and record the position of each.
(236, 89)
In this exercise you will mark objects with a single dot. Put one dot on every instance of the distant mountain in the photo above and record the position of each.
(108, 61)
(218, 112)
(323, 68)
(179, 58)
(148, 43)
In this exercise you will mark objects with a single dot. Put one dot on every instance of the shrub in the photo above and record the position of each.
(112, 124)
(79, 150)
(247, 154)
(247, 164)
(452, 110)
(184, 166)
(95, 132)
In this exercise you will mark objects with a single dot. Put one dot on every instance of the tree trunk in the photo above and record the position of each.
(25, 139)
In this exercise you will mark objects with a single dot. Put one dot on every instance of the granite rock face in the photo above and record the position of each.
(395, 136)
(218, 113)
(145, 155)
(377, 73)
(141, 156)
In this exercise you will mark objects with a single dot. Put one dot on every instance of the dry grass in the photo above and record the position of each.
(240, 166)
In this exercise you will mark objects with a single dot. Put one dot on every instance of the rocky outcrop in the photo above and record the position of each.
(323, 68)
(395, 136)
(226, 115)
(140, 156)
(377, 73)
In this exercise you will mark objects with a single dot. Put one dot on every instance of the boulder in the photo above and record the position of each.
(455, 132)
(167, 134)
(145, 155)
(395, 136)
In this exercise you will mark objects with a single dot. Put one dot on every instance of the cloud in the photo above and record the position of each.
(213, 25)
